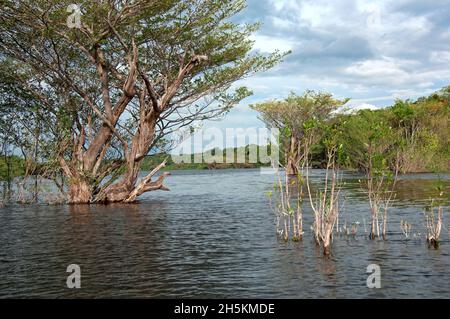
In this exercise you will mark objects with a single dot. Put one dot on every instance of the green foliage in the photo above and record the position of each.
(298, 116)
(418, 132)
(151, 161)
(15, 165)
(412, 134)
(78, 98)
(298, 113)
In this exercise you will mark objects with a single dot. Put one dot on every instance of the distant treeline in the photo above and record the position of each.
(191, 161)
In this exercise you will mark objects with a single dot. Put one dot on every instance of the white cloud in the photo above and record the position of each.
(352, 107)
(317, 14)
(446, 34)
(440, 56)
(280, 5)
(270, 44)
(370, 51)
(403, 74)
(283, 24)
(385, 67)
(410, 93)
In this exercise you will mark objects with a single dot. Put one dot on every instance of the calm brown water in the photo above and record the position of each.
(213, 235)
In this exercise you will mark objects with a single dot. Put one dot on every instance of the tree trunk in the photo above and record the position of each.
(291, 168)
(128, 189)
(328, 235)
(293, 157)
(433, 243)
(327, 249)
(80, 192)
(373, 230)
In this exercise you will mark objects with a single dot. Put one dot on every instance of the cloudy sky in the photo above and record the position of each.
(371, 51)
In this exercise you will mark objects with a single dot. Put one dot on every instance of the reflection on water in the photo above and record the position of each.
(213, 236)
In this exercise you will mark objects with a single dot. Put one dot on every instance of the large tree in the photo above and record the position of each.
(116, 77)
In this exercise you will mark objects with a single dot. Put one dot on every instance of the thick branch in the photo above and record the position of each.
(173, 88)
(146, 185)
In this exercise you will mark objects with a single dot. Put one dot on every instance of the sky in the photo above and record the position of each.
(373, 52)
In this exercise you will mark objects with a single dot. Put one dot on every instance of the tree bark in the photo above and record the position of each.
(80, 192)
(326, 249)
(328, 237)
(373, 229)
(292, 157)
(128, 188)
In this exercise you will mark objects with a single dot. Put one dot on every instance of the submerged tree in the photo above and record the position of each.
(433, 219)
(286, 201)
(297, 118)
(406, 227)
(114, 77)
(290, 116)
(372, 145)
(325, 202)
(433, 215)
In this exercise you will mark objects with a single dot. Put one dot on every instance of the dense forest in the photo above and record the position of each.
(419, 130)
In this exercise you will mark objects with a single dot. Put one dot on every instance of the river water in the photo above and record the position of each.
(213, 236)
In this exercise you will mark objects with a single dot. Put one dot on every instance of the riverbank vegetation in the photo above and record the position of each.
(381, 144)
